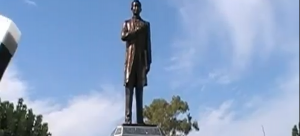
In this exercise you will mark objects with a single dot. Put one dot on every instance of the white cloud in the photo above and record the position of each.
(88, 114)
(30, 2)
(277, 114)
(12, 87)
(247, 32)
(247, 21)
(93, 114)
(239, 34)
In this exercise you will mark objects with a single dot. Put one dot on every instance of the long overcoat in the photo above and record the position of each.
(136, 34)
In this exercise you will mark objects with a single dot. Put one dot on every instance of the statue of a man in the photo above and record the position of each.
(136, 34)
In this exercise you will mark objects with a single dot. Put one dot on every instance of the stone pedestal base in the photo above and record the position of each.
(137, 130)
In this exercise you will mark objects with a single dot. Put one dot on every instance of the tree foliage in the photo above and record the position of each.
(20, 121)
(295, 130)
(173, 117)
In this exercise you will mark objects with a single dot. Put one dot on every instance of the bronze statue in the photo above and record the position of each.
(136, 34)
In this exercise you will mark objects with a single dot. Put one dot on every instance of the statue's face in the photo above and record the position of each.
(136, 8)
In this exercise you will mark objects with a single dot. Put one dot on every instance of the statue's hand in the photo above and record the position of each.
(139, 28)
(134, 33)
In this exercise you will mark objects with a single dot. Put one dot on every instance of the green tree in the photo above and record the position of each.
(295, 130)
(173, 117)
(20, 121)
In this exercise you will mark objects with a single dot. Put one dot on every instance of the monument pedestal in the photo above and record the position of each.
(9, 38)
(137, 130)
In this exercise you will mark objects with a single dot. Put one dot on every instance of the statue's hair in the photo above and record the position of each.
(136, 1)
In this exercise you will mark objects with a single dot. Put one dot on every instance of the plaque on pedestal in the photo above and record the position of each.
(137, 130)
(9, 38)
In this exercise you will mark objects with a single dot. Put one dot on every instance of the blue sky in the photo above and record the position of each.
(235, 62)
(81, 44)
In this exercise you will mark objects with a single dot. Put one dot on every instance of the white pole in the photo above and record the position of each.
(9, 38)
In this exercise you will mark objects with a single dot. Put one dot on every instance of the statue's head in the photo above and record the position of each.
(136, 7)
